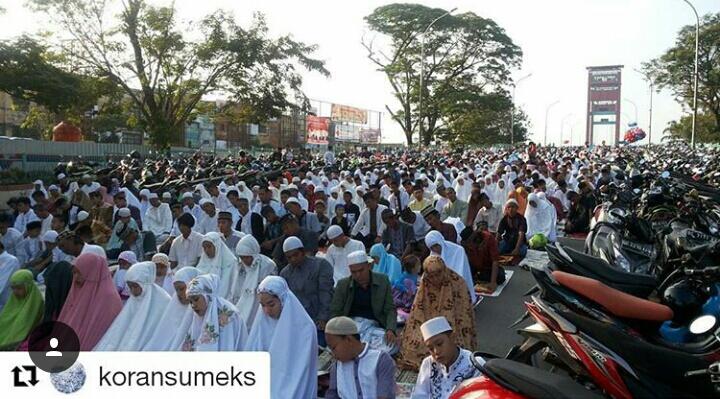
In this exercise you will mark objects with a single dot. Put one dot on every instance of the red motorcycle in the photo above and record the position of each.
(506, 379)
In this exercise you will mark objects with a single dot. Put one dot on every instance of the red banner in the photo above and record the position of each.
(317, 129)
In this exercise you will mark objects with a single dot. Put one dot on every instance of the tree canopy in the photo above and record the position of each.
(466, 56)
(675, 70)
(166, 66)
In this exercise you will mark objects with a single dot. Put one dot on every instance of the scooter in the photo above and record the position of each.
(506, 379)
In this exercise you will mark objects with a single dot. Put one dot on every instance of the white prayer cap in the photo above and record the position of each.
(53, 188)
(167, 195)
(292, 243)
(38, 181)
(86, 176)
(144, 192)
(319, 189)
(187, 195)
(292, 187)
(61, 176)
(358, 257)
(205, 201)
(341, 325)
(82, 215)
(161, 258)
(434, 326)
(334, 232)
(296, 179)
(152, 196)
(50, 236)
(292, 200)
(122, 212)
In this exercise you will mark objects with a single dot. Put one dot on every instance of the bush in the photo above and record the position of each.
(18, 176)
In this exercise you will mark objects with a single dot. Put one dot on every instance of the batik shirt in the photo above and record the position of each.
(436, 382)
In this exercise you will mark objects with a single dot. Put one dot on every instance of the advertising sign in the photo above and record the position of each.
(348, 114)
(317, 130)
(347, 132)
(370, 136)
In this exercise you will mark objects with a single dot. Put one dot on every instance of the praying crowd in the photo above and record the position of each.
(378, 258)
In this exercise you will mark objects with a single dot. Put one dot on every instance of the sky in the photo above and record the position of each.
(559, 39)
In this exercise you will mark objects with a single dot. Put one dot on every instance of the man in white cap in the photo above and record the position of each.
(67, 188)
(189, 206)
(358, 371)
(337, 255)
(367, 296)
(310, 279)
(208, 220)
(158, 218)
(447, 366)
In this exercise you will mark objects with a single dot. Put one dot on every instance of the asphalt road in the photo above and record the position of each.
(493, 316)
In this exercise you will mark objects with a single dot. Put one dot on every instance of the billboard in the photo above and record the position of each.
(317, 130)
(370, 136)
(346, 132)
(348, 114)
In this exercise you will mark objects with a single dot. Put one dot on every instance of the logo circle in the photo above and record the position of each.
(70, 380)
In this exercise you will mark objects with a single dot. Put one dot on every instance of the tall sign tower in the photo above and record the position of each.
(604, 98)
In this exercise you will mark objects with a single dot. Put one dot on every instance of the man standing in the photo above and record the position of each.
(158, 218)
(369, 227)
(447, 366)
(358, 370)
(367, 295)
(186, 248)
(337, 255)
(310, 279)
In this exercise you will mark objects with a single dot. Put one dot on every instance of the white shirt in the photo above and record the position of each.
(207, 224)
(362, 226)
(186, 251)
(436, 382)
(23, 219)
(158, 220)
(338, 258)
(28, 249)
(8, 265)
(404, 201)
(11, 239)
(46, 224)
(196, 211)
(420, 227)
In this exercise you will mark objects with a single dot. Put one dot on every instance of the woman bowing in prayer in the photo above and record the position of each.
(280, 325)
(253, 268)
(440, 293)
(175, 322)
(93, 302)
(385, 263)
(454, 257)
(137, 321)
(23, 311)
(216, 325)
(216, 258)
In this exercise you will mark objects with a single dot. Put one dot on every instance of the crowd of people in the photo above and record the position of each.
(378, 257)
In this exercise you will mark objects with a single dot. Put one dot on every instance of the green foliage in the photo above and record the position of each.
(465, 55)
(165, 66)
(707, 129)
(675, 70)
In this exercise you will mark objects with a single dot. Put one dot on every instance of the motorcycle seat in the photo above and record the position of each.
(536, 383)
(615, 301)
(590, 266)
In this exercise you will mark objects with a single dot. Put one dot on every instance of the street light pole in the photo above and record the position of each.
(512, 109)
(547, 111)
(422, 71)
(652, 88)
(562, 127)
(695, 90)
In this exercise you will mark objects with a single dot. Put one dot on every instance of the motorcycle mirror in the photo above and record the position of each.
(665, 174)
(703, 324)
(636, 191)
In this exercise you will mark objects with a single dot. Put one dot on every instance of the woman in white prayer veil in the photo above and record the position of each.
(463, 187)
(175, 322)
(134, 325)
(283, 328)
(541, 217)
(216, 325)
(454, 257)
(217, 258)
(245, 192)
(131, 198)
(440, 180)
(253, 268)
(203, 191)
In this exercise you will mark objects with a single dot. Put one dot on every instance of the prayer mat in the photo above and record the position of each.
(499, 289)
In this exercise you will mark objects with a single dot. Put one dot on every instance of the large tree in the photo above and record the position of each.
(463, 52)
(166, 66)
(674, 70)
